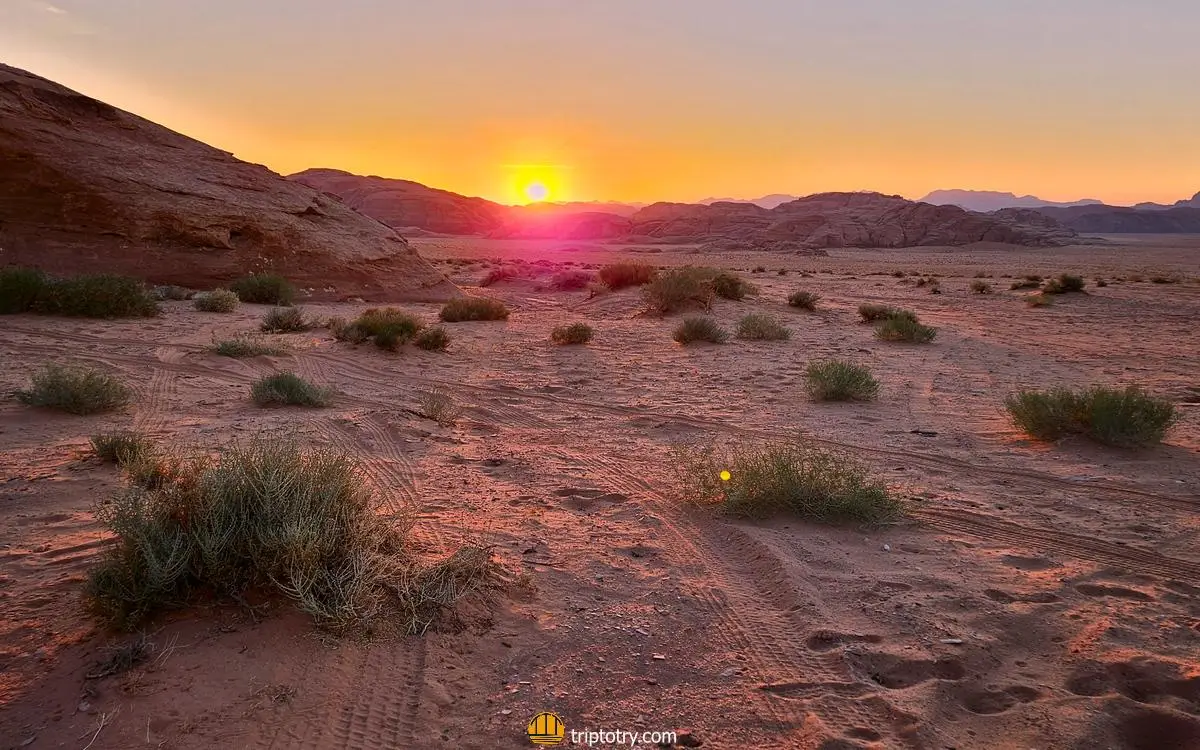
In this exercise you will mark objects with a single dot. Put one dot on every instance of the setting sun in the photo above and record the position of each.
(536, 192)
(536, 183)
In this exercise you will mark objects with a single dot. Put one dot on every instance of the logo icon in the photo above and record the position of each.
(546, 729)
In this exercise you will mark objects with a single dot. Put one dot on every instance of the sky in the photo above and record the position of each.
(645, 100)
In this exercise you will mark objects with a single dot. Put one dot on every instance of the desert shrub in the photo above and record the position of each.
(905, 329)
(241, 347)
(620, 275)
(795, 477)
(20, 289)
(923, 281)
(473, 308)
(872, 313)
(438, 405)
(272, 516)
(899, 274)
(1123, 417)
(836, 380)
(576, 333)
(1165, 279)
(504, 273)
(782, 272)
(379, 320)
(75, 389)
(728, 285)
(678, 289)
(289, 389)
(1101, 283)
(433, 339)
(566, 281)
(700, 328)
(218, 301)
(804, 300)
(760, 269)
(96, 296)
(122, 447)
(171, 292)
(1026, 284)
(981, 287)
(349, 332)
(1039, 300)
(761, 327)
(264, 289)
(1064, 284)
(285, 320)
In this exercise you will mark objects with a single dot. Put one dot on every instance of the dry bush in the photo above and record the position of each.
(728, 285)
(241, 347)
(700, 328)
(217, 301)
(762, 327)
(568, 281)
(122, 447)
(872, 313)
(804, 300)
(1064, 284)
(621, 275)
(679, 289)
(1165, 279)
(837, 380)
(795, 477)
(576, 333)
(348, 332)
(1123, 417)
(433, 339)
(264, 289)
(1039, 300)
(439, 405)
(289, 389)
(274, 517)
(904, 329)
(1026, 284)
(473, 308)
(981, 287)
(286, 320)
(172, 292)
(90, 296)
(76, 390)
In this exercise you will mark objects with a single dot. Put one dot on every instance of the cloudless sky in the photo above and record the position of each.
(648, 100)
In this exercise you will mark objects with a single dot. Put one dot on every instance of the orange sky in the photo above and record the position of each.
(659, 99)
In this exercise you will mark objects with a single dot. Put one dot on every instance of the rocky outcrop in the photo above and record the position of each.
(1120, 219)
(86, 187)
(993, 200)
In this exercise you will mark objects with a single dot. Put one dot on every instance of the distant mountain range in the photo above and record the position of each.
(993, 200)
(1088, 215)
(767, 201)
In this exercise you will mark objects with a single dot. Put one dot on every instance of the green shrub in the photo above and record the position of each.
(761, 327)
(836, 380)
(473, 308)
(1064, 284)
(620, 275)
(871, 313)
(576, 333)
(264, 289)
(122, 447)
(795, 477)
(388, 319)
(349, 332)
(904, 329)
(20, 289)
(731, 286)
(433, 339)
(679, 289)
(289, 389)
(96, 296)
(1122, 417)
(77, 390)
(700, 328)
(272, 516)
(218, 301)
(567, 281)
(981, 287)
(242, 347)
(285, 320)
(804, 300)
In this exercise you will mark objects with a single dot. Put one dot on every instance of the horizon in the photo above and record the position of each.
(538, 101)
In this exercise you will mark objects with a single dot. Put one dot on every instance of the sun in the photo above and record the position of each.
(537, 192)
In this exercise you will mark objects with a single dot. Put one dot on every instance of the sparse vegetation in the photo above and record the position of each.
(20, 289)
(76, 390)
(621, 275)
(1026, 284)
(289, 389)
(728, 285)
(804, 300)
(1039, 300)
(981, 287)
(872, 313)
(264, 289)
(567, 281)
(348, 332)
(171, 292)
(1064, 284)
(1101, 283)
(1122, 417)
(217, 301)
(438, 405)
(837, 380)
(576, 333)
(904, 328)
(795, 477)
(473, 308)
(122, 447)
(285, 320)
(272, 516)
(679, 289)
(89, 296)
(1165, 279)
(433, 339)
(700, 328)
(241, 347)
(761, 327)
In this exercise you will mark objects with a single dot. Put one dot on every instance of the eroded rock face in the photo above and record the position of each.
(86, 187)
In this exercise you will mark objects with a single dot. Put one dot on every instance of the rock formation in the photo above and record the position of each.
(86, 187)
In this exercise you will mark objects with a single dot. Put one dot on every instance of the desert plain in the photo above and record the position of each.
(1037, 595)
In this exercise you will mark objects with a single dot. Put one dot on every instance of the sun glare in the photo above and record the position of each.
(536, 192)
(536, 183)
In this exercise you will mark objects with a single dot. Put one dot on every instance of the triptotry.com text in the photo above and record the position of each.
(620, 738)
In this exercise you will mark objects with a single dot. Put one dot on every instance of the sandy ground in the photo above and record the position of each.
(1044, 596)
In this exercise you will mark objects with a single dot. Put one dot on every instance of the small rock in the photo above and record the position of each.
(952, 641)
(658, 657)
(687, 738)
(506, 712)
(887, 548)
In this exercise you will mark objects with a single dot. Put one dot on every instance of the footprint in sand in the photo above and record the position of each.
(998, 701)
